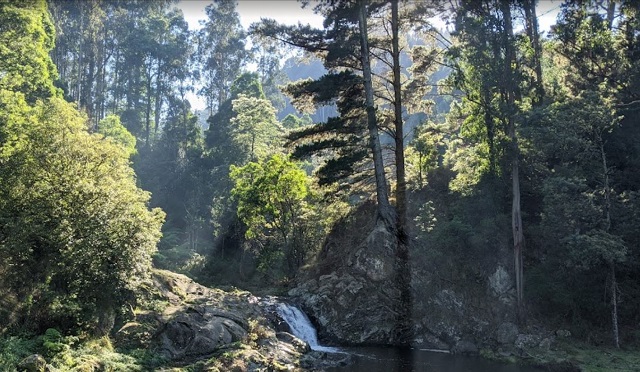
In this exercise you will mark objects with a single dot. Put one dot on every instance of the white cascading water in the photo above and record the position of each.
(301, 327)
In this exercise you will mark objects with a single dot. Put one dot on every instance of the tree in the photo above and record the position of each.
(385, 213)
(488, 74)
(580, 196)
(255, 129)
(76, 236)
(221, 51)
(272, 200)
(26, 36)
(112, 129)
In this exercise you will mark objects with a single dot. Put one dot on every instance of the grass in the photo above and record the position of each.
(581, 355)
(602, 359)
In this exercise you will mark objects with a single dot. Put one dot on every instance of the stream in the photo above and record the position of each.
(390, 359)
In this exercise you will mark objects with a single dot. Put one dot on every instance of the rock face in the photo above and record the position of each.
(354, 304)
(185, 322)
(195, 333)
(459, 304)
(33, 363)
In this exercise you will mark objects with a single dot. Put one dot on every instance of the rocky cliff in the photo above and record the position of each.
(461, 306)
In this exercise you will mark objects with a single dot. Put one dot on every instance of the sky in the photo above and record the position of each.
(290, 12)
(283, 11)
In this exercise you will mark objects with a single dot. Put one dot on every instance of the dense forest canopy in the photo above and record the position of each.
(489, 139)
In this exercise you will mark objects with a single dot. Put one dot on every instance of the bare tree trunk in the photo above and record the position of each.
(385, 212)
(158, 101)
(614, 307)
(607, 210)
(534, 37)
(147, 116)
(516, 214)
(404, 320)
(401, 185)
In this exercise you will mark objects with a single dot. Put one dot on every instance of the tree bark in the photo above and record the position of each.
(401, 185)
(404, 320)
(516, 214)
(607, 211)
(385, 212)
(614, 307)
(534, 36)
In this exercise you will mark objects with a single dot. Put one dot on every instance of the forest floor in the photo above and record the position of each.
(570, 355)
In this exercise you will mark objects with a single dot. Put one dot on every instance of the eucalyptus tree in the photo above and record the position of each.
(489, 72)
(598, 116)
(221, 52)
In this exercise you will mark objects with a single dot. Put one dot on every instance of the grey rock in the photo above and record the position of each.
(500, 286)
(545, 344)
(563, 333)
(192, 335)
(320, 361)
(525, 341)
(355, 303)
(33, 363)
(298, 344)
(507, 333)
(465, 347)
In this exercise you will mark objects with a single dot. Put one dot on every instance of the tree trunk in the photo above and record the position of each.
(533, 33)
(401, 185)
(147, 116)
(385, 212)
(607, 211)
(516, 214)
(404, 320)
(614, 307)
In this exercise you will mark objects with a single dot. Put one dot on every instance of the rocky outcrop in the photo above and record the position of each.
(355, 304)
(196, 333)
(461, 306)
(184, 322)
(33, 363)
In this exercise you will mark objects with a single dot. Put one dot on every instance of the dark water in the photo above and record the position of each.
(378, 359)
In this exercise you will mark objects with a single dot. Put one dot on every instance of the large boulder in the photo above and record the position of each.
(355, 304)
(33, 363)
(193, 333)
(355, 300)
(507, 333)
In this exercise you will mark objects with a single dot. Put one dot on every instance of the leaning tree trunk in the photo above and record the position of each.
(385, 212)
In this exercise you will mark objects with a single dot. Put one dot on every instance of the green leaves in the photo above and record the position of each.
(255, 129)
(26, 37)
(76, 231)
(114, 131)
(272, 203)
(269, 194)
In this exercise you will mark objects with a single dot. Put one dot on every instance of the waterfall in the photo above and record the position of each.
(301, 326)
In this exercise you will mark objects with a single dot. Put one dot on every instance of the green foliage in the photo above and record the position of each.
(272, 198)
(254, 129)
(292, 121)
(15, 348)
(72, 217)
(26, 37)
(112, 129)
(221, 46)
